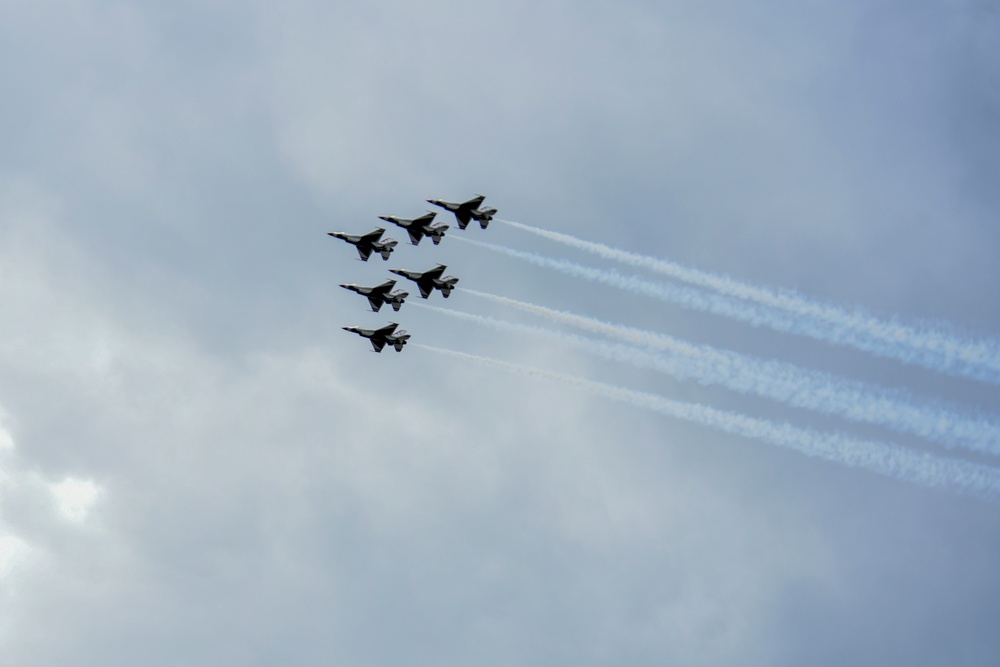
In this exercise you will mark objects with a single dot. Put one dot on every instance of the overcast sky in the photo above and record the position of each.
(199, 467)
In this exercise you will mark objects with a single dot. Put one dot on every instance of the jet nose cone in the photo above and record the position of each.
(384, 217)
(343, 285)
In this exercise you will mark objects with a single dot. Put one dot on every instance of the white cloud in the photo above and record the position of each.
(13, 550)
(75, 497)
(6, 440)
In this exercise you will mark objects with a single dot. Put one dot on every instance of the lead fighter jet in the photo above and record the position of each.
(430, 280)
(467, 211)
(419, 227)
(379, 338)
(380, 294)
(368, 243)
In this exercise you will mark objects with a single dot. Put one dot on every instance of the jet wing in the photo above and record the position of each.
(377, 345)
(416, 233)
(425, 289)
(375, 301)
(373, 236)
(365, 251)
(425, 222)
(465, 209)
(434, 273)
(474, 202)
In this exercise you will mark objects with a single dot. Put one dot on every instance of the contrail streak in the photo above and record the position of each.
(928, 346)
(786, 383)
(886, 459)
(687, 297)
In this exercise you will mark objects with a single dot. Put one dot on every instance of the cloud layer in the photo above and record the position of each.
(197, 466)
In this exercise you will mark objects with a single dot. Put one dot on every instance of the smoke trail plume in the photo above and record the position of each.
(686, 297)
(786, 383)
(932, 347)
(886, 459)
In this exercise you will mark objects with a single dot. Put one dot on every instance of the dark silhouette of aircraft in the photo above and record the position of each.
(380, 294)
(419, 227)
(368, 243)
(379, 338)
(467, 211)
(430, 280)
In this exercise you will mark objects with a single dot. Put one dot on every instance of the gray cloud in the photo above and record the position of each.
(273, 493)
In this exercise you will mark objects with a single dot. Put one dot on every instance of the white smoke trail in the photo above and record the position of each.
(683, 296)
(886, 459)
(932, 347)
(786, 383)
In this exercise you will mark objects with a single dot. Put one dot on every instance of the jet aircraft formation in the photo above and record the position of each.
(427, 281)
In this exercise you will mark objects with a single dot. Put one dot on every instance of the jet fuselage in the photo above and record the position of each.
(380, 294)
(386, 335)
(430, 280)
(419, 227)
(368, 243)
(467, 211)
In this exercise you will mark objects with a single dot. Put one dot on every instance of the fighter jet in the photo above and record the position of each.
(467, 211)
(382, 337)
(380, 294)
(430, 280)
(419, 227)
(368, 243)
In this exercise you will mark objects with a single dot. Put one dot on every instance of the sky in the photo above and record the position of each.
(199, 467)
